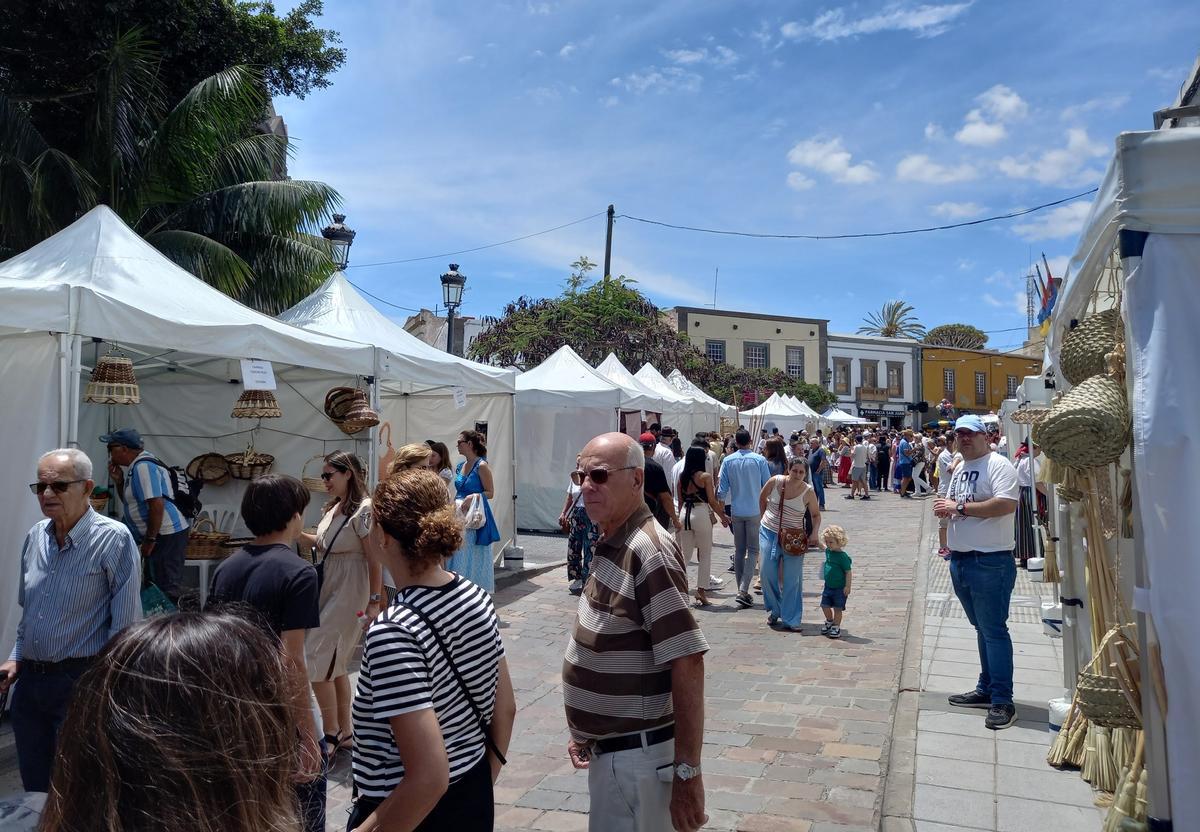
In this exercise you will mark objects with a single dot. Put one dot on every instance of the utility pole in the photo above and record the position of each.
(716, 272)
(612, 214)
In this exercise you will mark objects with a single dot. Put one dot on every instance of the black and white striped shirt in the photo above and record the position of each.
(404, 670)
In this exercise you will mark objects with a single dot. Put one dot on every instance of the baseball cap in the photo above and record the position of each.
(126, 437)
(647, 438)
(971, 423)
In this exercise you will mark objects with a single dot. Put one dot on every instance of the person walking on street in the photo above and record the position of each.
(882, 462)
(904, 463)
(783, 503)
(657, 486)
(474, 476)
(818, 465)
(696, 500)
(980, 502)
(743, 474)
(635, 634)
(858, 470)
(582, 535)
(664, 455)
(79, 586)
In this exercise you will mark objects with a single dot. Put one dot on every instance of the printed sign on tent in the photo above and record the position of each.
(460, 397)
(257, 375)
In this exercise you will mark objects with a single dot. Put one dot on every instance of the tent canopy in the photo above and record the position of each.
(841, 417)
(566, 375)
(98, 278)
(684, 385)
(684, 412)
(640, 396)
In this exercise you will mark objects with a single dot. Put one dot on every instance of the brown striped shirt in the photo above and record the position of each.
(633, 621)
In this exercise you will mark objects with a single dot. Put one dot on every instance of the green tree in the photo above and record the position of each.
(194, 179)
(895, 320)
(963, 336)
(579, 274)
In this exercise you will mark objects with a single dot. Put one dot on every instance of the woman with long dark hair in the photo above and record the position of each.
(776, 454)
(181, 722)
(696, 498)
(351, 586)
(473, 478)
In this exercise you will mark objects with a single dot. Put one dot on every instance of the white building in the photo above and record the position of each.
(431, 328)
(876, 378)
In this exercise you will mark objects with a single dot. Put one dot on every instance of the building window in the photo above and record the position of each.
(948, 384)
(870, 372)
(980, 389)
(841, 376)
(756, 356)
(1012, 388)
(795, 362)
(895, 371)
(715, 350)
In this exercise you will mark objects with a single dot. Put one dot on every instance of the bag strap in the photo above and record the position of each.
(462, 684)
(333, 540)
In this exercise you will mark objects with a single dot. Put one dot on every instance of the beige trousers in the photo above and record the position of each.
(700, 538)
(627, 792)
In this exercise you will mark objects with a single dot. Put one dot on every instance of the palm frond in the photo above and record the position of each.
(211, 261)
(19, 138)
(265, 207)
(60, 191)
(257, 157)
(287, 268)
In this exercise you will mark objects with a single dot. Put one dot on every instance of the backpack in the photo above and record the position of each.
(185, 491)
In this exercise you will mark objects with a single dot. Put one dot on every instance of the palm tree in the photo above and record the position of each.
(197, 180)
(895, 320)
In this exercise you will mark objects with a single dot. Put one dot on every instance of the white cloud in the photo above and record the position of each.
(1063, 221)
(720, 56)
(1171, 74)
(687, 56)
(918, 167)
(830, 158)
(957, 210)
(934, 132)
(1016, 301)
(568, 50)
(984, 125)
(979, 133)
(1059, 166)
(724, 56)
(538, 8)
(1003, 104)
(1092, 105)
(773, 128)
(465, 59)
(610, 101)
(965, 264)
(925, 21)
(797, 181)
(660, 80)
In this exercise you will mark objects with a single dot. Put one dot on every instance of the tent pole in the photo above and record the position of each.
(513, 402)
(64, 406)
(373, 434)
(73, 371)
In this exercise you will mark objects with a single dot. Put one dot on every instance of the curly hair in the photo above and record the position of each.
(412, 455)
(478, 441)
(834, 537)
(410, 506)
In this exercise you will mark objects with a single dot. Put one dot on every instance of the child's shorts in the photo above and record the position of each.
(834, 598)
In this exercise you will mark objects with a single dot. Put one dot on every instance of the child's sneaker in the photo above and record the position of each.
(826, 627)
(834, 632)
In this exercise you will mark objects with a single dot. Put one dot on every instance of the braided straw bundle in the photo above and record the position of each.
(1085, 346)
(1087, 427)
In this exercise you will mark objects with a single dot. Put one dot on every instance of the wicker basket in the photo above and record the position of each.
(310, 482)
(249, 464)
(112, 382)
(359, 417)
(1088, 427)
(257, 404)
(206, 544)
(1099, 695)
(211, 469)
(1085, 346)
(338, 401)
(99, 503)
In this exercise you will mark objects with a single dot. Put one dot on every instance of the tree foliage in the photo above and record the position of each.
(611, 315)
(896, 319)
(195, 179)
(963, 336)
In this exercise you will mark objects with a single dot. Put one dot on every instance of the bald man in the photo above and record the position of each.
(633, 676)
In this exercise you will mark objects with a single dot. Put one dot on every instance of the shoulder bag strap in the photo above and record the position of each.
(462, 684)
(781, 486)
(332, 541)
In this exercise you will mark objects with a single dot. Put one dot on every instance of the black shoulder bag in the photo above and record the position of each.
(320, 565)
(484, 725)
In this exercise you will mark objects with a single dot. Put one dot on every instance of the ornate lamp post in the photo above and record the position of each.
(452, 289)
(340, 237)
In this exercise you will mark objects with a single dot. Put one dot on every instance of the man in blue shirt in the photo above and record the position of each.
(79, 586)
(817, 463)
(904, 462)
(743, 475)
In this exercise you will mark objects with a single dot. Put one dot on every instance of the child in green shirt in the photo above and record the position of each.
(837, 580)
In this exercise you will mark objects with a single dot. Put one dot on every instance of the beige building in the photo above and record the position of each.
(798, 346)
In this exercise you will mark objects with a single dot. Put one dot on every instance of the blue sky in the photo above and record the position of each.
(454, 125)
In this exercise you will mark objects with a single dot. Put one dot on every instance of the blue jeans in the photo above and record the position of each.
(745, 550)
(873, 476)
(818, 484)
(39, 706)
(783, 594)
(983, 582)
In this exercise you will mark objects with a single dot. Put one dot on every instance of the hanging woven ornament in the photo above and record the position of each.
(257, 404)
(112, 381)
(359, 415)
(1085, 347)
(1087, 427)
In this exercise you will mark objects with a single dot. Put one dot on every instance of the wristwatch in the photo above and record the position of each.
(375, 596)
(686, 772)
(962, 508)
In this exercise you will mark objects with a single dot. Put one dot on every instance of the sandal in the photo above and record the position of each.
(332, 743)
(701, 600)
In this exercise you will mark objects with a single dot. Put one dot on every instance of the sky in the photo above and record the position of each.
(458, 125)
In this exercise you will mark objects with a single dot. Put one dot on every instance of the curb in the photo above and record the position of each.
(506, 579)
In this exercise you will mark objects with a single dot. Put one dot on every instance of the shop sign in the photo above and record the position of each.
(257, 374)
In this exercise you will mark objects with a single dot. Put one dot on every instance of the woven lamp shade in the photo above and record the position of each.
(257, 404)
(112, 382)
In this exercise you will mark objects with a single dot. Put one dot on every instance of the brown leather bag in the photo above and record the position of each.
(793, 541)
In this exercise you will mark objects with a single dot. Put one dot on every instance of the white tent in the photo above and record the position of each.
(686, 413)
(639, 396)
(684, 385)
(1147, 211)
(841, 417)
(778, 412)
(561, 405)
(97, 279)
(804, 409)
(415, 389)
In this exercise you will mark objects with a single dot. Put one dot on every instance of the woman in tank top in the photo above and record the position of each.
(697, 505)
(782, 574)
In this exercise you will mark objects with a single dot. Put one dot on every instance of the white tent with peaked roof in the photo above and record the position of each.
(683, 411)
(649, 400)
(684, 385)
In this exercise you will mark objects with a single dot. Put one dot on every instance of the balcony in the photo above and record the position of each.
(871, 394)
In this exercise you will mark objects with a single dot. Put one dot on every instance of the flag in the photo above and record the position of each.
(1049, 296)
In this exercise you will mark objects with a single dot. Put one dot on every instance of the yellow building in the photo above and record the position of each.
(975, 381)
(798, 346)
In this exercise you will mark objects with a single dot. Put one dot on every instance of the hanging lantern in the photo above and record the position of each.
(257, 404)
(112, 381)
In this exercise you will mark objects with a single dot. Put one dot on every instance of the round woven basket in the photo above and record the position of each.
(112, 382)
(210, 468)
(257, 404)
(311, 482)
(1085, 346)
(1087, 427)
(249, 464)
(338, 401)
(99, 503)
(1099, 695)
(359, 417)
(206, 544)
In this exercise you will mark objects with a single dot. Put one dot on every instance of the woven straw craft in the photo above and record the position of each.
(349, 409)
(1029, 415)
(257, 404)
(99, 503)
(338, 401)
(249, 464)
(206, 544)
(313, 483)
(1099, 694)
(112, 382)
(1085, 346)
(210, 468)
(1087, 427)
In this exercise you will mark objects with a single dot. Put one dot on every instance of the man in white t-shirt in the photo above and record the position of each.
(858, 469)
(947, 460)
(663, 454)
(979, 503)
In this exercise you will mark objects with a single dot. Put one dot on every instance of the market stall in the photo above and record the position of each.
(683, 411)
(638, 394)
(684, 385)
(777, 412)
(840, 418)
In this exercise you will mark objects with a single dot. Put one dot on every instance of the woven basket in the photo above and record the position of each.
(1029, 416)
(310, 482)
(359, 417)
(249, 464)
(100, 503)
(338, 401)
(112, 382)
(1084, 347)
(1088, 427)
(206, 544)
(211, 469)
(1099, 695)
(256, 404)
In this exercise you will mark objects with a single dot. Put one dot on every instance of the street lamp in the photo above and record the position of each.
(340, 236)
(452, 289)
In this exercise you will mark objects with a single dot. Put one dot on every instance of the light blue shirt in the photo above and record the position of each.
(743, 474)
(147, 480)
(75, 598)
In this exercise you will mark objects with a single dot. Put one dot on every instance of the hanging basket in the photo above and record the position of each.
(99, 501)
(112, 381)
(206, 543)
(1088, 427)
(1085, 346)
(313, 483)
(338, 401)
(210, 469)
(257, 404)
(1099, 696)
(359, 417)
(249, 464)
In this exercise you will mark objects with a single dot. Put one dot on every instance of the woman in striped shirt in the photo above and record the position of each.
(783, 574)
(434, 709)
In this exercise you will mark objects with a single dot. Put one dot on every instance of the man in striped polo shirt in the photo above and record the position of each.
(633, 677)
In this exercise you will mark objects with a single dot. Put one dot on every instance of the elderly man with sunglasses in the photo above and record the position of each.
(633, 676)
(79, 586)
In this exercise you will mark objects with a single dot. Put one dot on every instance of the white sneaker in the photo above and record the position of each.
(714, 582)
(576, 586)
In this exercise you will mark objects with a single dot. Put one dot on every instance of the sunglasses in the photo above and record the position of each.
(58, 486)
(325, 475)
(597, 475)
